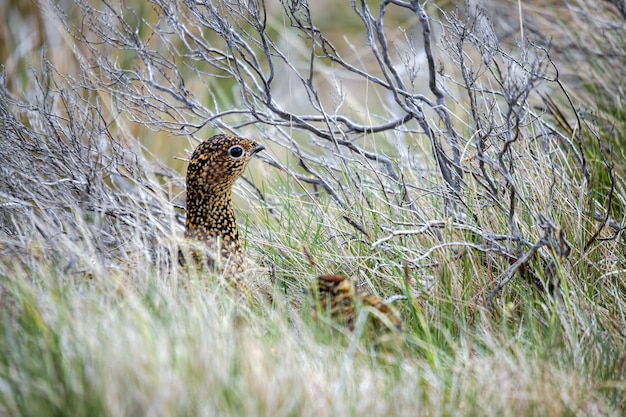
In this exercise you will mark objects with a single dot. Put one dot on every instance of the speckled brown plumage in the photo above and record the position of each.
(213, 169)
(338, 298)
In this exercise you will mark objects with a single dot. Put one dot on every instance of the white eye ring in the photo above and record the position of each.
(236, 152)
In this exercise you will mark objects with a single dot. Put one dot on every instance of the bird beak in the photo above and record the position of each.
(256, 150)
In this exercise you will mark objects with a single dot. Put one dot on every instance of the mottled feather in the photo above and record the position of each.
(336, 297)
(213, 169)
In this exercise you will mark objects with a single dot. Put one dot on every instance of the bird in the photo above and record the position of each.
(214, 167)
(337, 298)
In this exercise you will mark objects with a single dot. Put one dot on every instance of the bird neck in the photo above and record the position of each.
(211, 215)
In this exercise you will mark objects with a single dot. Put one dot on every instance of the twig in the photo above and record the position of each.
(510, 272)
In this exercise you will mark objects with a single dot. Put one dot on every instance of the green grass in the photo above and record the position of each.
(195, 351)
(165, 341)
(98, 319)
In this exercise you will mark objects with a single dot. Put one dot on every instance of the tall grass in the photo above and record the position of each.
(99, 319)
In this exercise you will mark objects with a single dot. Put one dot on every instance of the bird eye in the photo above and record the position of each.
(236, 152)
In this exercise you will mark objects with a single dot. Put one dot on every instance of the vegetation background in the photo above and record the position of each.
(464, 162)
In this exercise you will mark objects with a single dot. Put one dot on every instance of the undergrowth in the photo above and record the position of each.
(493, 223)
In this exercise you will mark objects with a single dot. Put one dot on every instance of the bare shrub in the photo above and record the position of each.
(425, 159)
(469, 125)
(71, 184)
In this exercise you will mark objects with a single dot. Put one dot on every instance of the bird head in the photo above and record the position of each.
(217, 162)
(335, 286)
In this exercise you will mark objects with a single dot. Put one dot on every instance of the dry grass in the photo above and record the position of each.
(98, 319)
